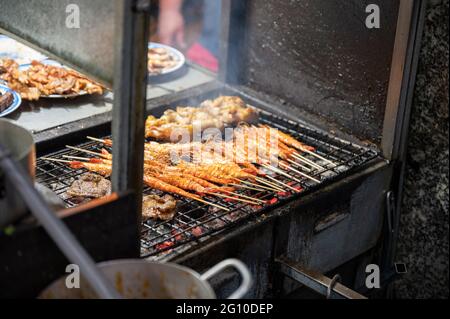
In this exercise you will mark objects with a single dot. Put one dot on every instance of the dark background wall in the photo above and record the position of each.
(423, 241)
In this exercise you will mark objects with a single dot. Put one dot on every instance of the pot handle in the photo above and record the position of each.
(240, 267)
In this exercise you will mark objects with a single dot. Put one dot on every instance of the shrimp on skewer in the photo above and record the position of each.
(162, 186)
(289, 140)
(180, 182)
(101, 169)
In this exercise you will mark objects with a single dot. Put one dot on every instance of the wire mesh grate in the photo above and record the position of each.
(195, 220)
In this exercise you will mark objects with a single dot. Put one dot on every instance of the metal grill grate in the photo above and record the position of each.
(195, 220)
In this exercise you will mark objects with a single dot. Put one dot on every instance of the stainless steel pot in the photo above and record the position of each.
(141, 279)
(21, 145)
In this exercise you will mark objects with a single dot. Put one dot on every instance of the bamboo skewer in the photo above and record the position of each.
(95, 139)
(298, 165)
(285, 185)
(212, 204)
(307, 161)
(244, 196)
(279, 171)
(85, 151)
(230, 197)
(300, 173)
(319, 157)
(265, 187)
(276, 187)
(55, 160)
(77, 158)
(248, 187)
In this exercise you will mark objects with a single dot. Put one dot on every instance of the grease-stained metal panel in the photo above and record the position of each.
(319, 55)
(42, 25)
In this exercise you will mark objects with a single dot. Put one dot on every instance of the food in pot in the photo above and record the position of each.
(157, 207)
(90, 185)
(45, 80)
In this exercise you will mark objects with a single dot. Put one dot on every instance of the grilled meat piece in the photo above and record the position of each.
(219, 113)
(156, 207)
(90, 185)
(5, 100)
(44, 80)
(159, 59)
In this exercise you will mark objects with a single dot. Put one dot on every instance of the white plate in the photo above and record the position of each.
(177, 55)
(16, 101)
(24, 67)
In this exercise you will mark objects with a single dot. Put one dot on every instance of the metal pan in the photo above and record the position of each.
(141, 279)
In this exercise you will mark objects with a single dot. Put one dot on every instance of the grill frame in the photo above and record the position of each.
(188, 227)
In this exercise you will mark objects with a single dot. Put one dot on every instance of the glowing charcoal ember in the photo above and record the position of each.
(197, 231)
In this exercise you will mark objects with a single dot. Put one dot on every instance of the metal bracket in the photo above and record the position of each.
(392, 225)
(331, 288)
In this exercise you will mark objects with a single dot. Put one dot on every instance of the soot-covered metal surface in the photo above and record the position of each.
(320, 55)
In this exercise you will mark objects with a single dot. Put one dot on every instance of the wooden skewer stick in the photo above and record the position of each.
(285, 185)
(296, 164)
(265, 186)
(78, 158)
(55, 160)
(85, 151)
(275, 187)
(95, 139)
(248, 187)
(279, 171)
(243, 196)
(300, 173)
(211, 204)
(300, 159)
(230, 197)
(307, 161)
(319, 157)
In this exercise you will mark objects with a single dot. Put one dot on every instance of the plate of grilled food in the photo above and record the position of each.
(163, 59)
(9, 100)
(46, 79)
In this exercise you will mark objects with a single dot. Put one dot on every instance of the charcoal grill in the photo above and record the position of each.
(315, 71)
(195, 220)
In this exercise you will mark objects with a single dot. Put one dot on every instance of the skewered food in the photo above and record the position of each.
(99, 168)
(160, 59)
(6, 100)
(45, 80)
(156, 207)
(219, 113)
(90, 185)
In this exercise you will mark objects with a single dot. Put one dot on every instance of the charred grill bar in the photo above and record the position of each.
(314, 71)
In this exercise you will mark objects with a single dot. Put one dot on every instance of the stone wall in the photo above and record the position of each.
(423, 240)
